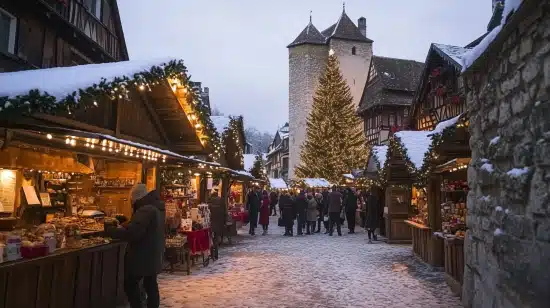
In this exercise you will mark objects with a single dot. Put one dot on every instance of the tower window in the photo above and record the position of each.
(353, 50)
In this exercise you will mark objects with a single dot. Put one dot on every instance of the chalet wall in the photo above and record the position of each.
(306, 63)
(507, 248)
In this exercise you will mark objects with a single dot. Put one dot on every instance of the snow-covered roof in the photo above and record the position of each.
(277, 183)
(349, 176)
(221, 123)
(316, 182)
(63, 81)
(417, 144)
(439, 128)
(248, 161)
(471, 56)
(380, 153)
(455, 53)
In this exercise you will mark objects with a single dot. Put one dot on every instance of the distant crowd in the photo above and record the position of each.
(309, 209)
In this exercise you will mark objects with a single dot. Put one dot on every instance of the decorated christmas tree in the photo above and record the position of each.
(257, 169)
(334, 143)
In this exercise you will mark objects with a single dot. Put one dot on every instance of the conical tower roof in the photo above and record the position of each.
(310, 35)
(345, 29)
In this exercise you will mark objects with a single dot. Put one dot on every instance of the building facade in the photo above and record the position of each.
(54, 33)
(388, 93)
(507, 247)
(308, 55)
(277, 157)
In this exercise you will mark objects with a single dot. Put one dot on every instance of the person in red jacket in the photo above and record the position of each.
(264, 212)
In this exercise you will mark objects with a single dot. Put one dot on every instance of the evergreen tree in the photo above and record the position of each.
(257, 169)
(334, 143)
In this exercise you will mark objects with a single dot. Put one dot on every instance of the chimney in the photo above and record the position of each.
(362, 24)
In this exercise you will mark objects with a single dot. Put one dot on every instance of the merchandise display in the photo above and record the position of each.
(419, 204)
(453, 209)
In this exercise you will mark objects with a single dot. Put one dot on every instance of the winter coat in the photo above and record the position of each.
(312, 211)
(288, 209)
(325, 202)
(273, 198)
(264, 211)
(145, 236)
(373, 212)
(351, 202)
(334, 202)
(253, 205)
(218, 215)
(301, 207)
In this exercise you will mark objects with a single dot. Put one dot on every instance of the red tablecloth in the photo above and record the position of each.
(239, 216)
(199, 240)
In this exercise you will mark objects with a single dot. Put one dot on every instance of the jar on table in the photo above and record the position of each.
(13, 248)
(50, 241)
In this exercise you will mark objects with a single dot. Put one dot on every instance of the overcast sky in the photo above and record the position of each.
(238, 47)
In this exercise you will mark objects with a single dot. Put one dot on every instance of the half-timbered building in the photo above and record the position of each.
(388, 93)
(55, 33)
(440, 92)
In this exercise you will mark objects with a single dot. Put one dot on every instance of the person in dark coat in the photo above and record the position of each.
(145, 236)
(326, 223)
(334, 208)
(351, 209)
(264, 212)
(253, 205)
(288, 212)
(373, 216)
(312, 214)
(273, 200)
(301, 212)
(320, 211)
(218, 214)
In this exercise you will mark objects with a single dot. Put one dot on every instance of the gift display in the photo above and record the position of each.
(419, 204)
(454, 209)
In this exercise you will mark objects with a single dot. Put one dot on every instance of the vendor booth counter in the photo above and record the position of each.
(87, 277)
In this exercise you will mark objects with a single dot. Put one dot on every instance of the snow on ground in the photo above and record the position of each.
(309, 271)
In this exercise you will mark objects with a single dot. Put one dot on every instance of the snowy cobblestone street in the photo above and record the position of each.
(309, 271)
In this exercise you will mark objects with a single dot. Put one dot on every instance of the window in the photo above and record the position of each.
(353, 50)
(391, 119)
(94, 7)
(406, 112)
(7, 32)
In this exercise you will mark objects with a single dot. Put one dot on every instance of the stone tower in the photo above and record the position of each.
(307, 58)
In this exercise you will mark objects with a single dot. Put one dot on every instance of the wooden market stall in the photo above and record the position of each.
(70, 155)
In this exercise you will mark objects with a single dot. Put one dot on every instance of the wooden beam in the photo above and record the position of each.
(154, 117)
(68, 123)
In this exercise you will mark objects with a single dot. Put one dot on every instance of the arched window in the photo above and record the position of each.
(353, 50)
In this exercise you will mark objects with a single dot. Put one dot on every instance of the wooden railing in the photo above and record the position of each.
(79, 16)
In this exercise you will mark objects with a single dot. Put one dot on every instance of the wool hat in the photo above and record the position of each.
(138, 192)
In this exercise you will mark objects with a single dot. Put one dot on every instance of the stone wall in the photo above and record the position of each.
(305, 64)
(507, 249)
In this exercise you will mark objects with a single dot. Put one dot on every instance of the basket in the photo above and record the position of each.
(29, 252)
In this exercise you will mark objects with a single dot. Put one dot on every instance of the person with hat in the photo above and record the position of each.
(145, 236)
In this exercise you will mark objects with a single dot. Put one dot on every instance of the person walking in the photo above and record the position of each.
(372, 217)
(334, 208)
(312, 214)
(264, 212)
(288, 212)
(253, 205)
(145, 236)
(351, 209)
(273, 200)
(301, 211)
(326, 222)
(320, 211)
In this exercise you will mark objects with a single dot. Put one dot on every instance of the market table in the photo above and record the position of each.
(84, 277)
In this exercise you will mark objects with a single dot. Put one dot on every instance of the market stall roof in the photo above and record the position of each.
(158, 89)
(453, 165)
(380, 153)
(316, 182)
(277, 183)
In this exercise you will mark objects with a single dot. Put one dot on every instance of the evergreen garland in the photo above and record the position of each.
(37, 101)
(334, 142)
